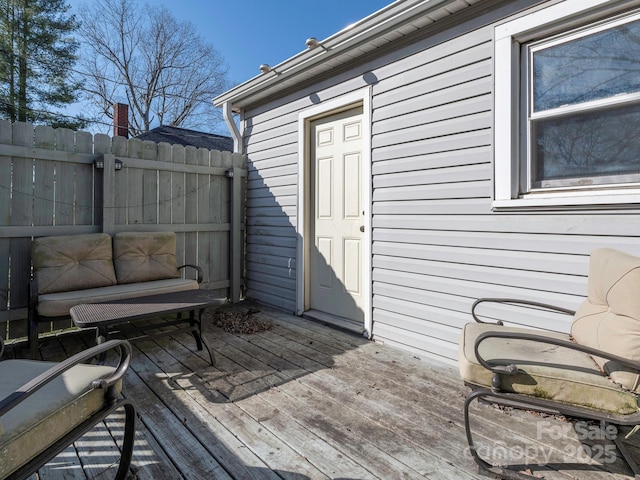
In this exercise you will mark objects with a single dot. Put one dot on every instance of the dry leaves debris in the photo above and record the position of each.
(243, 321)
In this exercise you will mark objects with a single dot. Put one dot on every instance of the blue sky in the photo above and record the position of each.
(248, 33)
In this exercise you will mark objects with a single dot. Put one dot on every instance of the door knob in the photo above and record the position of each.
(362, 228)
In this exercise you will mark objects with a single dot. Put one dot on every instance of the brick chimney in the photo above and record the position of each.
(121, 120)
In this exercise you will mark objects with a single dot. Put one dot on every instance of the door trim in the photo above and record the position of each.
(345, 102)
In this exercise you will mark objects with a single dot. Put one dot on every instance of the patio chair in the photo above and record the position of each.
(44, 407)
(592, 374)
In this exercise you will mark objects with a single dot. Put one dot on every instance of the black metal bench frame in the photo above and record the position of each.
(107, 317)
(34, 318)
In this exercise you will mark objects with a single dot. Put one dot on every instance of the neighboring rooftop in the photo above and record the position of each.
(183, 136)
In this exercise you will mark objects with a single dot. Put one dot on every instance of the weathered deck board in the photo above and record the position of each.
(366, 400)
(304, 401)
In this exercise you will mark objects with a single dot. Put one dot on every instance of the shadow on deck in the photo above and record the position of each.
(304, 401)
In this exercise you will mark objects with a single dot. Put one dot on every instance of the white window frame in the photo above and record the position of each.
(509, 83)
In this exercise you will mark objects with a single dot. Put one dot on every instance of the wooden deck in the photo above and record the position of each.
(304, 401)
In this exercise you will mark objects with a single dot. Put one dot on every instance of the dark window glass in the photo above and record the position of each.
(593, 67)
(585, 146)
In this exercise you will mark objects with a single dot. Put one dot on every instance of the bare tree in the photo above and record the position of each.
(158, 65)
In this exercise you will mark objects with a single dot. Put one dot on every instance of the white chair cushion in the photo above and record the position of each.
(609, 319)
(59, 304)
(144, 256)
(49, 413)
(546, 371)
(73, 262)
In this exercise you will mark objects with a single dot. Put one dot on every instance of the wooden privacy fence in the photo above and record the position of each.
(61, 182)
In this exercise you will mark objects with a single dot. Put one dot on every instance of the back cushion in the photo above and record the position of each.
(141, 257)
(609, 319)
(72, 262)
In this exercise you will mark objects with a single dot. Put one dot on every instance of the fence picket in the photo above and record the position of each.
(21, 215)
(191, 209)
(134, 186)
(65, 180)
(150, 185)
(84, 182)
(164, 185)
(44, 171)
(5, 205)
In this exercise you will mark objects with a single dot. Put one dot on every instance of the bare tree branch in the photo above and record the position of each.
(158, 65)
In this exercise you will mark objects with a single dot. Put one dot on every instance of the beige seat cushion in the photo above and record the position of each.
(546, 371)
(49, 413)
(140, 257)
(609, 319)
(59, 304)
(72, 262)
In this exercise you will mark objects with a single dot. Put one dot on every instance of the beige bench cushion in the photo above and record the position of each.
(141, 257)
(48, 414)
(546, 371)
(609, 319)
(72, 262)
(59, 304)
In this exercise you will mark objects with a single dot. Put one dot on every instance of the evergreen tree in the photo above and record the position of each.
(38, 52)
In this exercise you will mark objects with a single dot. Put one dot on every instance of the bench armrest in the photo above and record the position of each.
(513, 301)
(512, 369)
(29, 388)
(198, 269)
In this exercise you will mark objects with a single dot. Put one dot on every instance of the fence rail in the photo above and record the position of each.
(61, 182)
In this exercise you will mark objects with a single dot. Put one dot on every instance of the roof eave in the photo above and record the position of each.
(363, 32)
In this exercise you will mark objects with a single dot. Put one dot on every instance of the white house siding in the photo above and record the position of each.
(437, 245)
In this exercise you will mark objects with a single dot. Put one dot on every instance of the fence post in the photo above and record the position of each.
(109, 191)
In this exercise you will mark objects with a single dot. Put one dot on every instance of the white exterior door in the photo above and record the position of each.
(337, 217)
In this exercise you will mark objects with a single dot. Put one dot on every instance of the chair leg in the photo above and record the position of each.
(504, 399)
(496, 470)
(60, 444)
(127, 443)
(195, 322)
(627, 457)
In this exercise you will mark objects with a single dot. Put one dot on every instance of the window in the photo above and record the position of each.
(570, 106)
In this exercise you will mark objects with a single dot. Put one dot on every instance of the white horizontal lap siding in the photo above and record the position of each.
(432, 158)
(272, 155)
(437, 246)
(271, 144)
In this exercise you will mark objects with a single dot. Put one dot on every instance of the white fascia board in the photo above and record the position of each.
(366, 30)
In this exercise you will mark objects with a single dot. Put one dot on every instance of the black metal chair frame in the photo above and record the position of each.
(113, 402)
(527, 402)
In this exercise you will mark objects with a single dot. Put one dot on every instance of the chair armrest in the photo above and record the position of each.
(43, 379)
(512, 369)
(515, 301)
(198, 269)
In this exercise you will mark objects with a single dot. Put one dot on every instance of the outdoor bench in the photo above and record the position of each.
(72, 270)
